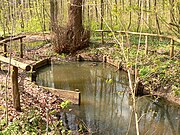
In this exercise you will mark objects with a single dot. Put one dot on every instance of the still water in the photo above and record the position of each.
(106, 106)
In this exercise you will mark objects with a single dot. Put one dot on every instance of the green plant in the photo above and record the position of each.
(62, 55)
(176, 89)
(29, 123)
(2, 123)
(65, 105)
(144, 71)
(109, 81)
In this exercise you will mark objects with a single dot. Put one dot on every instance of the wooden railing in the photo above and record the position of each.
(14, 77)
(5, 41)
(126, 33)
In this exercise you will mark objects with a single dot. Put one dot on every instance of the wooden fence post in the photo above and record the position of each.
(5, 49)
(15, 89)
(102, 37)
(146, 45)
(172, 49)
(21, 48)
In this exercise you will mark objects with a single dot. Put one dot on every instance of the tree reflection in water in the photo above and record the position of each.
(106, 105)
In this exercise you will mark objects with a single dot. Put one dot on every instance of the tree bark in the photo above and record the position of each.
(156, 15)
(130, 15)
(53, 12)
(75, 21)
(139, 14)
(73, 37)
(102, 16)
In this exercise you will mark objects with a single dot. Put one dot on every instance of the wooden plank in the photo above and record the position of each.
(11, 39)
(15, 63)
(88, 57)
(72, 96)
(15, 89)
(40, 63)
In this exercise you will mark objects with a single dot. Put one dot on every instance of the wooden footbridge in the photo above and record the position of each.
(30, 67)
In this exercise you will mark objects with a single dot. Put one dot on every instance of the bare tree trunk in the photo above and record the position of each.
(178, 19)
(43, 16)
(130, 15)
(22, 15)
(156, 15)
(96, 8)
(102, 16)
(2, 20)
(146, 10)
(172, 17)
(123, 5)
(88, 14)
(84, 11)
(175, 16)
(109, 9)
(30, 8)
(53, 12)
(139, 14)
(149, 15)
(116, 4)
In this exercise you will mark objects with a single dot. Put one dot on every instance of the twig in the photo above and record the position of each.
(47, 120)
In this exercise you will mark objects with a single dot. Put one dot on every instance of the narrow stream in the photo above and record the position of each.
(106, 106)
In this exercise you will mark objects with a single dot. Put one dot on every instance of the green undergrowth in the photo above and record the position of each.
(30, 122)
(156, 70)
(34, 122)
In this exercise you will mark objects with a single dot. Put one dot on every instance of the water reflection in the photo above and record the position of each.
(106, 105)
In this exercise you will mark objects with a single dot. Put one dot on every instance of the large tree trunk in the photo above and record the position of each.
(74, 37)
(53, 12)
(75, 22)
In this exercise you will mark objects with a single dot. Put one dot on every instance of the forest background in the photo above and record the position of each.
(152, 16)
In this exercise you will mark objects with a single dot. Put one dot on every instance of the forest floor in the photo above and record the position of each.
(31, 95)
(34, 96)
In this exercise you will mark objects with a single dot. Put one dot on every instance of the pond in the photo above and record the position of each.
(106, 106)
